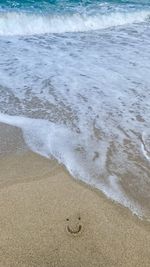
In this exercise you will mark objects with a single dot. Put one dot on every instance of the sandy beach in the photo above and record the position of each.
(49, 219)
(75, 133)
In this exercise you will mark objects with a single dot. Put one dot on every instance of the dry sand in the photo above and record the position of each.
(49, 219)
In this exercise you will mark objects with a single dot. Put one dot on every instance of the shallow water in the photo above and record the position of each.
(80, 70)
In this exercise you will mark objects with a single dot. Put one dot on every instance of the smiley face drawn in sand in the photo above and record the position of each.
(74, 225)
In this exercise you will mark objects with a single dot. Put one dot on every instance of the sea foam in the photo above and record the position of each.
(57, 141)
(15, 23)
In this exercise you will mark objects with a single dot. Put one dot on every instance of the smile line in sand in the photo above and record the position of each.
(74, 228)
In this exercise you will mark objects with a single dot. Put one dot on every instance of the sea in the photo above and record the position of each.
(75, 78)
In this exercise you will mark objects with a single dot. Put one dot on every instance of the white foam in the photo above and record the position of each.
(114, 191)
(145, 145)
(52, 140)
(12, 23)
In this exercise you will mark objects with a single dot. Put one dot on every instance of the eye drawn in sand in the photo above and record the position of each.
(74, 225)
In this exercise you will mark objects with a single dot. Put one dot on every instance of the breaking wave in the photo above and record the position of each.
(15, 23)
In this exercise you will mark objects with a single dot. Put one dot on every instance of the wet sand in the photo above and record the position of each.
(49, 219)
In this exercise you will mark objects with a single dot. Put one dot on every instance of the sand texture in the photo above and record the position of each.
(49, 219)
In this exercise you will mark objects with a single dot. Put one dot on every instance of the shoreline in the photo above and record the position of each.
(47, 218)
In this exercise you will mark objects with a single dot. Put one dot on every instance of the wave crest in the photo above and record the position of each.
(13, 23)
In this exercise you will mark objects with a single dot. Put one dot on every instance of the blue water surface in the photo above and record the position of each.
(71, 6)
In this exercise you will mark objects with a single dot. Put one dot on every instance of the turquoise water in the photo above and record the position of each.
(74, 76)
(58, 4)
(84, 7)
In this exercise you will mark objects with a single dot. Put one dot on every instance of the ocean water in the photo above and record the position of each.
(75, 77)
